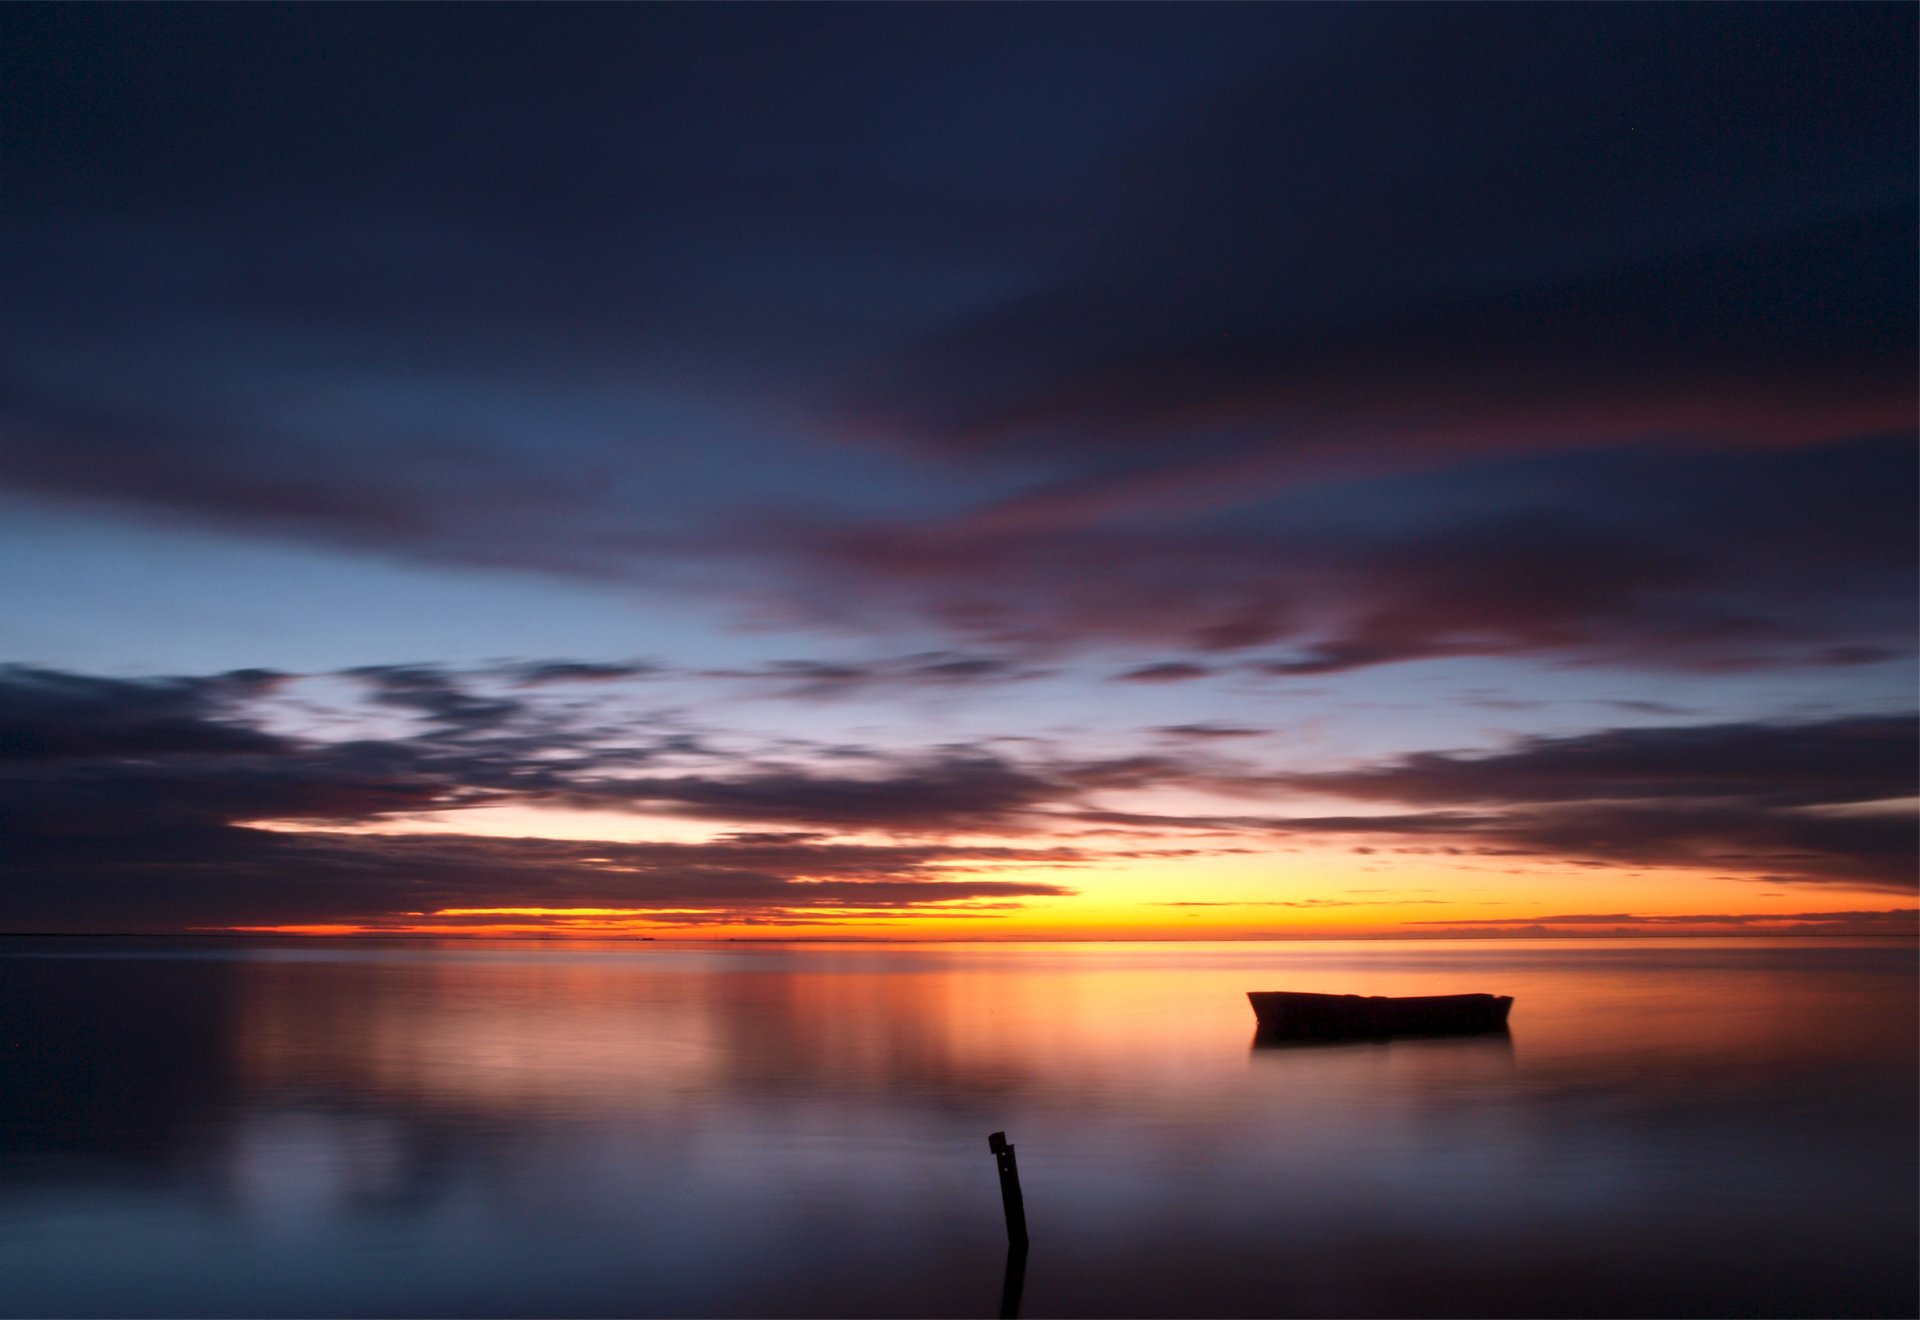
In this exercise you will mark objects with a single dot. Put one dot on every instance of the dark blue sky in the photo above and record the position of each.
(945, 401)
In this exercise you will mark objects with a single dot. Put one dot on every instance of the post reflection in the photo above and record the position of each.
(1013, 1280)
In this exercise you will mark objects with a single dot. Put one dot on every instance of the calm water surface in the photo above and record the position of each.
(1672, 1128)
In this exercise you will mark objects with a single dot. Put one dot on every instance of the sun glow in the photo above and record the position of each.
(1300, 894)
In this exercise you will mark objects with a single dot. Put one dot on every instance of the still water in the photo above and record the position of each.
(1671, 1128)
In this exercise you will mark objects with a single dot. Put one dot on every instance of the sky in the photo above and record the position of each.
(963, 471)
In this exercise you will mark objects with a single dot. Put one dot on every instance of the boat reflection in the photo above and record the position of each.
(1494, 1040)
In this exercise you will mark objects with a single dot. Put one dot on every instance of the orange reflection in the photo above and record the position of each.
(516, 1028)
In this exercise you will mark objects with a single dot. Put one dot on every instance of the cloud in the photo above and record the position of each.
(1643, 558)
(1892, 921)
(1854, 759)
(241, 877)
(928, 670)
(1809, 803)
(1166, 671)
(1634, 707)
(135, 805)
(1205, 731)
(1865, 851)
(1455, 232)
(1594, 360)
(428, 691)
(140, 803)
(543, 673)
(47, 715)
(1307, 344)
(956, 790)
(1824, 803)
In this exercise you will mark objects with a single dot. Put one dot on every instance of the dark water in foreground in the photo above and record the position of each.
(1673, 1128)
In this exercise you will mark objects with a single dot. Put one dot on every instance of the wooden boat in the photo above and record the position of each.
(1286, 1014)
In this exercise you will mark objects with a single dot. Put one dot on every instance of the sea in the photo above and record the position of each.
(277, 1127)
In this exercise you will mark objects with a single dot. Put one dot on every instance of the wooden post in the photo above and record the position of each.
(1010, 1199)
(1015, 1206)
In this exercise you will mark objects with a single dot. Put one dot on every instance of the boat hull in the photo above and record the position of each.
(1288, 1014)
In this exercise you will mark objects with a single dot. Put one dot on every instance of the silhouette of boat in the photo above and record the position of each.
(1285, 1014)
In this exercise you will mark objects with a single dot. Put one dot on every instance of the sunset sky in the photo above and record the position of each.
(978, 471)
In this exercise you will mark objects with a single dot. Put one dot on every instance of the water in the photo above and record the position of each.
(1673, 1128)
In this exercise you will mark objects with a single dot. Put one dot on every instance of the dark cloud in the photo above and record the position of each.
(137, 803)
(1633, 707)
(1647, 557)
(1209, 731)
(1816, 803)
(1607, 359)
(933, 670)
(1209, 328)
(542, 673)
(1167, 671)
(1822, 803)
(955, 789)
(346, 277)
(1467, 228)
(47, 715)
(241, 877)
(1217, 342)
(959, 790)
(1858, 759)
(428, 691)
(1869, 851)
(1870, 922)
(133, 805)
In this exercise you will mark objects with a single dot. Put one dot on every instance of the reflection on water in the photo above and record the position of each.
(1674, 1127)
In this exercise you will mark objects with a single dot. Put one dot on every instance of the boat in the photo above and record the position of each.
(1286, 1014)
